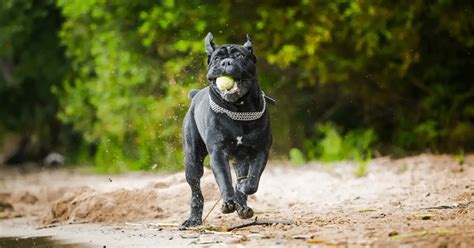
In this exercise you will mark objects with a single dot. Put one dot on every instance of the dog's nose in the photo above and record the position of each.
(227, 62)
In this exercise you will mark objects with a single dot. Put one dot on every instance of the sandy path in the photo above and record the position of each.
(395, 204)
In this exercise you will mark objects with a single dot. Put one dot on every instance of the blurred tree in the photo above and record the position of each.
(400, 69)
(128, 94)
(31, 62)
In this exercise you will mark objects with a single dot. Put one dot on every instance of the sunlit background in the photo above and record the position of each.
(105, 83)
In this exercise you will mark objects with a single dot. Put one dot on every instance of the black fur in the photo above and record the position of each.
(208, 133)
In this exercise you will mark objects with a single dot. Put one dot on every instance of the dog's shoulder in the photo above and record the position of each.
(192, 93)
(196, 94)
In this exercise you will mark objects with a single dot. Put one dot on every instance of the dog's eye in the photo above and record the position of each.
(240, 56)
(216, 58)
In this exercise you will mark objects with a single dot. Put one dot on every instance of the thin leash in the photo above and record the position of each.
(218, 200)
(212, 209)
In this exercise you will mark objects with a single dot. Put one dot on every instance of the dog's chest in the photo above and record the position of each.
(238, 136)
(240, 139)
(232, 135)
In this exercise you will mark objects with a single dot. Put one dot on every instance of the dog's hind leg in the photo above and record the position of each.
(241, 171)
(194, 154)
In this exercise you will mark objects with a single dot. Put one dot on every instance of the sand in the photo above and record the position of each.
(425, 200)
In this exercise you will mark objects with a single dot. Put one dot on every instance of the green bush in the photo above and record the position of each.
(138, 134)
(296, 156)
(329, 145)
(120, 97)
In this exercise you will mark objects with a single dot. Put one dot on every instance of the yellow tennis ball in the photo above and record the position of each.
(224, 83)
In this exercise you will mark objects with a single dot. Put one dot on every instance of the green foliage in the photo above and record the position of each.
(362, 164)
(25, 81)
(128, 93)
(460, 157)
(296, 156)
(32, 62)
(330, 146)
(367, 64)
(120, 72)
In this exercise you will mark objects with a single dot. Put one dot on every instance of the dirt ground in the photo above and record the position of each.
(420, 201)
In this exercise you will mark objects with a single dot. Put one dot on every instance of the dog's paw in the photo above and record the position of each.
(190, 223)
(228, 207)
(246, 188)
(244, 212)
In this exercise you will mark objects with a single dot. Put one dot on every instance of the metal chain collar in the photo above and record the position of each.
(239, 116)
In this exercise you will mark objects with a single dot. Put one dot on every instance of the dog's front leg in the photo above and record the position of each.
(241, 167)
(221, 169)
(257, 164)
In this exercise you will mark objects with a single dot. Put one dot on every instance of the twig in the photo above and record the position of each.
(441, 207)
(47, 226)
(257, 222)
(216, 232)
(210, 211)
(462, 205)
(61, 224)
(162, 225)
(206, 242)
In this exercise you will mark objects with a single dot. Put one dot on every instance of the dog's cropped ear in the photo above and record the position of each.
(210, 46)
(249, 44)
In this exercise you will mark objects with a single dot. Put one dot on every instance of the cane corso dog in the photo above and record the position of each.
(228, 125)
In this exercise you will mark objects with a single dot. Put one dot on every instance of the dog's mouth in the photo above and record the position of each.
(226, 85)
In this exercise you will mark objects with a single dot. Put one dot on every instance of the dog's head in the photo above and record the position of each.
(232, 60)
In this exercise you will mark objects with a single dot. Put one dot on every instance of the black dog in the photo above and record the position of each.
(231, 124)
